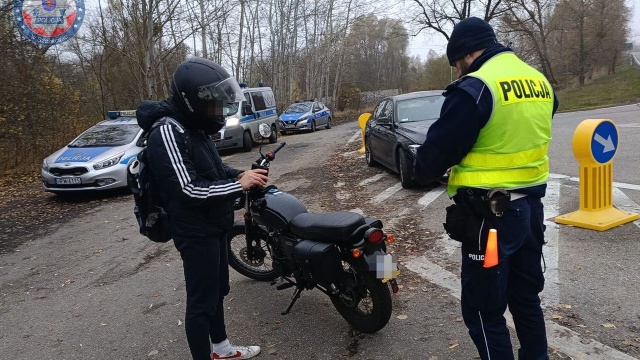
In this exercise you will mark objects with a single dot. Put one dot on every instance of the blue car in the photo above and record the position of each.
(305, 115)
(97, 159)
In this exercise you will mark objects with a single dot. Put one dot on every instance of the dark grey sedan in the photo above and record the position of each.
(397, 126)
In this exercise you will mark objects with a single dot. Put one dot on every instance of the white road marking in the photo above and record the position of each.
(622, 202)
(431, 195)
(371, 180)
(447, 245)
(351, 153)
(559, 337)
(225, 158)
(577, 179)
(393, 221)
(387, 193)
(551, 294)
(354, 137)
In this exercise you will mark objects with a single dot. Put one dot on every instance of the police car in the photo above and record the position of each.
(305, 115)
(97, 159)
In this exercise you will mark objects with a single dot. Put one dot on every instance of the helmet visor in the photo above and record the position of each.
(227, 90)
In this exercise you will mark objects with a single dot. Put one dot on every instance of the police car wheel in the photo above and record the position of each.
(246, 142)
(274, 135)
(313, 125)
(328, 126)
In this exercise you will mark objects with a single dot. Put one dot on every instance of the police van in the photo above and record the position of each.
(244, 117)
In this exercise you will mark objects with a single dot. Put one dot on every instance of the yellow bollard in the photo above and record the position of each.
(595, 142)
(362, 122)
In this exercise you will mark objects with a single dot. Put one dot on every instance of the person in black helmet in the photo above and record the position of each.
(493, 134)
(198, 190)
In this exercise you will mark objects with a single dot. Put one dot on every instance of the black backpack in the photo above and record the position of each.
(149, 207)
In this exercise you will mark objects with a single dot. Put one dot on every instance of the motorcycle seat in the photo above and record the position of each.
(328, 228)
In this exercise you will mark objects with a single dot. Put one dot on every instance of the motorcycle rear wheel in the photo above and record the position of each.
(369, 307)
(261, 270)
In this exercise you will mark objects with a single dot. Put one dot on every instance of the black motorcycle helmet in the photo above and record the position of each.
(201, 89)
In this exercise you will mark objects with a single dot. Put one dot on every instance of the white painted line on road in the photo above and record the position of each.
(559, 337)
(225, 158)
(354, 137)
(351, 153)
(387, 193)
(551, 294)
(577, 179)
(393, 221)
(371, 180)
(431, 195)
(622, 202)
(626, 186)
(448, 245)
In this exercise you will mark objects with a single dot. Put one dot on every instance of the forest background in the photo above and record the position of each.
(331, 50)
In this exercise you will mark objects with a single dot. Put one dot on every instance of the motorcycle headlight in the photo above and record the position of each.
(45, 165)
(233, 121)
(107, 163)
(414, 149)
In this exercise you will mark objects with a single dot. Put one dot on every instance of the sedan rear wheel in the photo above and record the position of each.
(405, 168)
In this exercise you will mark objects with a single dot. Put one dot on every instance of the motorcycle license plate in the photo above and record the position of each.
(386, 267)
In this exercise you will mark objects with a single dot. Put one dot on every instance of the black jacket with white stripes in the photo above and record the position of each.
(197, 187)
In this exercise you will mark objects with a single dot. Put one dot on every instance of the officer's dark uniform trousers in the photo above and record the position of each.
(206, 272)
(516, 282)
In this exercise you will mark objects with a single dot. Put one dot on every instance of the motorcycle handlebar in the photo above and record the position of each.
(271, 154)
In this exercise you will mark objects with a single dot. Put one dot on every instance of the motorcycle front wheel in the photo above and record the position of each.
(366, 306)
(257, 269)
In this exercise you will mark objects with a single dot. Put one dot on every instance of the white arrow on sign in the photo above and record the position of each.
(607, 143)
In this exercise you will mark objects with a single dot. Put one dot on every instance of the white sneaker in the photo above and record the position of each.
(238, 352)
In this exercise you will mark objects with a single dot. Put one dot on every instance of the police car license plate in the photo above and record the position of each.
(67, 181)
(289, 126)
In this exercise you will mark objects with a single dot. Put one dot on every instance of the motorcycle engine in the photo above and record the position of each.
(285, 263)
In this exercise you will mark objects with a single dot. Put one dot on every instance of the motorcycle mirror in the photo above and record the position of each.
(265, 130)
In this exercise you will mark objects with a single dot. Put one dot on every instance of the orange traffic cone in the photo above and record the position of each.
(491, 253)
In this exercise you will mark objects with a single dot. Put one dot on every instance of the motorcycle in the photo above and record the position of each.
(343, 254)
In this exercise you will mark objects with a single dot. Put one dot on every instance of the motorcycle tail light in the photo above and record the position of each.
(374, 236)
(356, 253)
(390, 238)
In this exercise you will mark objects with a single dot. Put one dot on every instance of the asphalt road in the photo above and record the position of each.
(95, 289)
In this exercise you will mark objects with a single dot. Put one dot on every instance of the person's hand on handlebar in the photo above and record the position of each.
(251, 178)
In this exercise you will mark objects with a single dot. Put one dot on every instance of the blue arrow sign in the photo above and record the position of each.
(604, 142)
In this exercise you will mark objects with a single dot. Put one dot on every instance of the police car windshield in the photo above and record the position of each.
(299, 108)
(231, 108)
(107, 135)
(420, 109)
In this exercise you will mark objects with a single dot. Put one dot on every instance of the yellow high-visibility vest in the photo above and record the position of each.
(511, 150)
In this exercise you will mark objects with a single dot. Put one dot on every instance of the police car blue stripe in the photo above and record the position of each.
(128, 158)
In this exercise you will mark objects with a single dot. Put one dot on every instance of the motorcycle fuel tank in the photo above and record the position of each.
(278, 211)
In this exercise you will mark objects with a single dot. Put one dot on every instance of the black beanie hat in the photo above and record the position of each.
(469, 35)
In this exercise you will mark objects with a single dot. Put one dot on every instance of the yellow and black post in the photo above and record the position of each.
(595, 143)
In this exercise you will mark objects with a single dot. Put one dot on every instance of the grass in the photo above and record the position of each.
(621, 88)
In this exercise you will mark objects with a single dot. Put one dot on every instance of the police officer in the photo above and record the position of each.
(198, 190)
(493, 133)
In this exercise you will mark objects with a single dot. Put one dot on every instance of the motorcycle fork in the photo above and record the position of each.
(254, 250)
